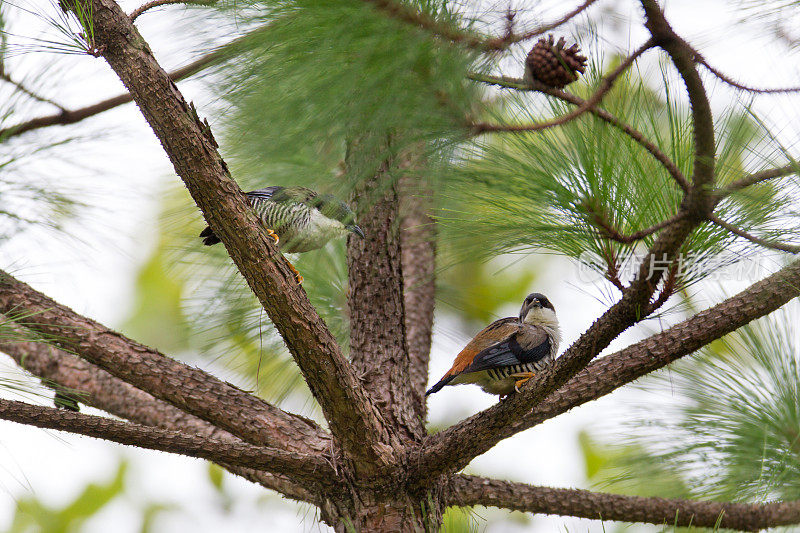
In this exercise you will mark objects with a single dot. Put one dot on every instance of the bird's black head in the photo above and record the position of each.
(534, 300)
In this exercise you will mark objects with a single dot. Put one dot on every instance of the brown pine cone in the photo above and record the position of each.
(554, 65)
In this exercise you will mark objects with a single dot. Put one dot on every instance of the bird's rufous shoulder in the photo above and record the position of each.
(497, 331)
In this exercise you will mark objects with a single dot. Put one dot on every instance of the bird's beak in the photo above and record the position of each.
(355, 229)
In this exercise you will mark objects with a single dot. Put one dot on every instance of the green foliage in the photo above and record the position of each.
(197, 289)
(608, 467)
(459, 520)
(734, 430)
(317, 74)
(476, 289)
(34, 516)
(26, 201)
(157, 318)
(69, 28)
(561, 189)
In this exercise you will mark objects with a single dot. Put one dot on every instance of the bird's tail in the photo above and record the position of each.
(209, 237)
(442, 382)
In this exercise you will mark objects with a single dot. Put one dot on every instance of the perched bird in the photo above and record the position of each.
(298, 219)
(509, 351)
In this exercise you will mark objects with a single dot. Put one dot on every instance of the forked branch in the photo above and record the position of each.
(609, 373)
(630, 131)
(99, 389)
(353, 419)
(188, 388)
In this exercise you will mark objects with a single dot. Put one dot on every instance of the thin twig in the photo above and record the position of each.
(155, 3)
(547, 27)
(67, 116)
(605, 86)
(423, 20)
(457, 35)
(614, 234)
(521, 85)
(792, 249)
(22, 88)
(741, 86)
(758, 177)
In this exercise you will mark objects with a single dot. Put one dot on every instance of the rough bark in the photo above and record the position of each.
(474, 490)
(387, 475)
(353, 420)
(418, 243)
(463, 442)
(378, 347)
(97, 388)
(303, 467)
(620, 368)
(185, 387)
(610, 373)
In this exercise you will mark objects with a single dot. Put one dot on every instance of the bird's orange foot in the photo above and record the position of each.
(297, 276)
(274, 236)
(525, 377)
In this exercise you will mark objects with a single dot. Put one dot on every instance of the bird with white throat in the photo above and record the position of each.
(508, 352)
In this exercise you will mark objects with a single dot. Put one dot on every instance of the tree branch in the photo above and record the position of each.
(22, 88)
(610, 232)
(452, 33)
(606, 85)
(635, 135)
(512, 39)
(758, 177)
(411, 16)
(740, 86)
(185, 387)
(156, 3)
(792, 249)
(99, 389)
(188, 141)
(302, 467)
(454, 448)
(609, 373)
(67, 116)
(683, 57)
(474, 490)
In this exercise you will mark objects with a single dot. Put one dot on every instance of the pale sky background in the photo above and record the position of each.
(93, 272)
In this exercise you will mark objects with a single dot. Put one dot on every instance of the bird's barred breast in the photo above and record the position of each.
(503, 372)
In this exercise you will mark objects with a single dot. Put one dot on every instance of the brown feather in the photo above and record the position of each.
(495, 332)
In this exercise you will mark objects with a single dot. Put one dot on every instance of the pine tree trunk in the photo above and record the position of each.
(386, 511)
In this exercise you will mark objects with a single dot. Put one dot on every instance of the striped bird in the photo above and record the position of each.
(509, 351)
(298, 219)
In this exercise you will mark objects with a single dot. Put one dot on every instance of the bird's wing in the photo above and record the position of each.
(264, 194)
(526, 344)
(496, 332)
(488, 336)
(300, 195)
